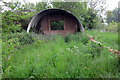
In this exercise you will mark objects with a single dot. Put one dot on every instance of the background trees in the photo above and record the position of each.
(113, 15)
(113, 20)
(18, 15)
(22, 13)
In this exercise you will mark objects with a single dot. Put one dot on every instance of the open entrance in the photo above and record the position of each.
(57, 25)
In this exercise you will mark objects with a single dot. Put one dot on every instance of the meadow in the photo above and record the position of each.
(54, 56)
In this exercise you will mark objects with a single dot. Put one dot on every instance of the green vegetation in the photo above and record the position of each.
(113, 15)
(73, 56)
(107, 38)
(30, 55)
(57, 25)
(0, 55)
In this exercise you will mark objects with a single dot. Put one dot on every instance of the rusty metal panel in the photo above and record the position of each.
(44, 24)
(69, 25)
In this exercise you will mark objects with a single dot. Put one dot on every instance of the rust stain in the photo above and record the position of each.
(70, 25)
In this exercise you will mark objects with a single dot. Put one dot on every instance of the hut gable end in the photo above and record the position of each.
(55, 21)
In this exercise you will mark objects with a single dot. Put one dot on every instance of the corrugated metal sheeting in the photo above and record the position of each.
(39, 16)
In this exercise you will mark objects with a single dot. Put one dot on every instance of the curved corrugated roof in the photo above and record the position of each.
(35, 20)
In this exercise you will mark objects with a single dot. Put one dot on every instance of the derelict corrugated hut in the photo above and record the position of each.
(55, 21)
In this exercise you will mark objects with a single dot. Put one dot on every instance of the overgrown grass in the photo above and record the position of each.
(74, 56)
(107, 38)
(0, 55)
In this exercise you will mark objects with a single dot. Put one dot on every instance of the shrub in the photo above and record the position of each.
(13, 42)
(112, 27)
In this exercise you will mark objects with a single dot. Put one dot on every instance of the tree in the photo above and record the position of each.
(40, 6)
(87, 16)
(16, 17)
(99, 5)
(113, 16)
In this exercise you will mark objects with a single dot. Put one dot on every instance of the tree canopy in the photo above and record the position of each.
(113, 15)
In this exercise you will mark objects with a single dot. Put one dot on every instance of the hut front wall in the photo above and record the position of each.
(70, 25)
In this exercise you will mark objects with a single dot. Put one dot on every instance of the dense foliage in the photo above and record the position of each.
(74, 56)
(16, 19)
(113, 20)
(30, 55)
(113, 15)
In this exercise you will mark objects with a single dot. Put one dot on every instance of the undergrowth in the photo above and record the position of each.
(73, 56)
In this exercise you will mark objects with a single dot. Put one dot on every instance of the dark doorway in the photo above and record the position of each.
(57, 25)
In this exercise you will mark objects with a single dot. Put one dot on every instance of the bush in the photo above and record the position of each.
(16, 21)
(112, 27)
(13, 42)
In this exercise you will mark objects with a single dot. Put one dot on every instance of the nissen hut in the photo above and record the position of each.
(55, 21)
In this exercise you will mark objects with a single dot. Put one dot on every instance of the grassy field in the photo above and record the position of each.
(73, 56)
